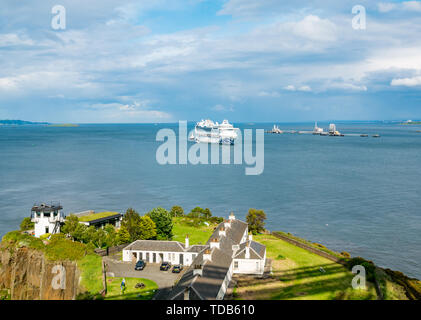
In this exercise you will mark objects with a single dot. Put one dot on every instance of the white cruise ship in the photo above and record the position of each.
(208, 131)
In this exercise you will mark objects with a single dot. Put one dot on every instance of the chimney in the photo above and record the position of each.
(227, 224)
(187, 293)
(197, 270)
(232, 216)
(222, 232)
(247, 250)
(187, 241)
(207, 255)
(214, 243)
(250, 237)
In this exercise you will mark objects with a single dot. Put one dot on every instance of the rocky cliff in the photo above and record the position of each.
(30, 276)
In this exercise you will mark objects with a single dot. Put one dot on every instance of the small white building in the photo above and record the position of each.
(47, 218)
(155, 251)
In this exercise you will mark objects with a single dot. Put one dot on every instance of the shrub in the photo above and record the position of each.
(368, 265)
(345, 254)
(26, 224)
(62, 249)
(44, 236)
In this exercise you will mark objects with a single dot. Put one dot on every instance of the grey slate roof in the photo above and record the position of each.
(257, 250)
(214, 272)
(156, 245)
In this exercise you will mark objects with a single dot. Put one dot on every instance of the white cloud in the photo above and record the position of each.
(300, 88)
(272, 94)
(404, 6)
(407, 82)
(222, 108)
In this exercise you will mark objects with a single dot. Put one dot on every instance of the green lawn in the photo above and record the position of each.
(131, 293)
(197, 235)
(96, 216)
(91, 273)
(297, 276)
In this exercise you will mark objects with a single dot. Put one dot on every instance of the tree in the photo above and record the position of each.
(147, 228)
(163, 222)
(195, 212)
(206, 213)
(111, 235)
(131, 221)
(70, 225)
(79, 233)
(256, 220)
(176, 211)
(123, 235)
(26, 224)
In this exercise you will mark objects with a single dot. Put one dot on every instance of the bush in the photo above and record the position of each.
(62, 249)
(44, 236)
(26, 224)
(18, 239)
(345, 254)
(368, 265)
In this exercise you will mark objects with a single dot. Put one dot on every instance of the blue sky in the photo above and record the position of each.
(168, 60)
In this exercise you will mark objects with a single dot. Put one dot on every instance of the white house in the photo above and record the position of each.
(47, 218)
(228, 251)
(155, 251)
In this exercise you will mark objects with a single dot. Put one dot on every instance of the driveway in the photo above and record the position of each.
(164, 279)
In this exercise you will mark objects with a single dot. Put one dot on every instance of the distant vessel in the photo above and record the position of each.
(376, 136)
(333, 131)
(208, 131)
(317, 130)
(275, 129)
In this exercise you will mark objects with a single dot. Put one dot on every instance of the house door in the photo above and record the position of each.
(154, 257)
(181, 258)
(134, 258)
(161, 257)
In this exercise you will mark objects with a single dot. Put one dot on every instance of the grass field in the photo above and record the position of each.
(131, 293)
(197, 235)
(91, 273)
(297, 276)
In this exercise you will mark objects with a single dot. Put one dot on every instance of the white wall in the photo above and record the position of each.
(41, 225)
(173, 257)
(249, 266)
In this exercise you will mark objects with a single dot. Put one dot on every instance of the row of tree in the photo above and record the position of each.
(156, 224)
(196, 212)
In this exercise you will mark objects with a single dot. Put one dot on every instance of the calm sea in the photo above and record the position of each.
(361, 195)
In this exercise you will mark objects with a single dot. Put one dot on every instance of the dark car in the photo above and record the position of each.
(177, 268)
(140, 265)
(165, 266)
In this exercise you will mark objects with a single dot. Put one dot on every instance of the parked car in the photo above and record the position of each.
(177, 268)
(140, 265)
(165, 266)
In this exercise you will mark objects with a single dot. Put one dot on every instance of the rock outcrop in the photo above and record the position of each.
(30, 276)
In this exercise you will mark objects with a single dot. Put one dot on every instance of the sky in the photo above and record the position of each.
(127, 61)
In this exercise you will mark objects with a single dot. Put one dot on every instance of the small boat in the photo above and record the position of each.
(363, 135)
(376, 136)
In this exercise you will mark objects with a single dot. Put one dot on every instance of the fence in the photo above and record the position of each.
(110, 250)
(309, 248)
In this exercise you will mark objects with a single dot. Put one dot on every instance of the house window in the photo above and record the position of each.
(141, 255)
(47, 230)
(235, 264)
